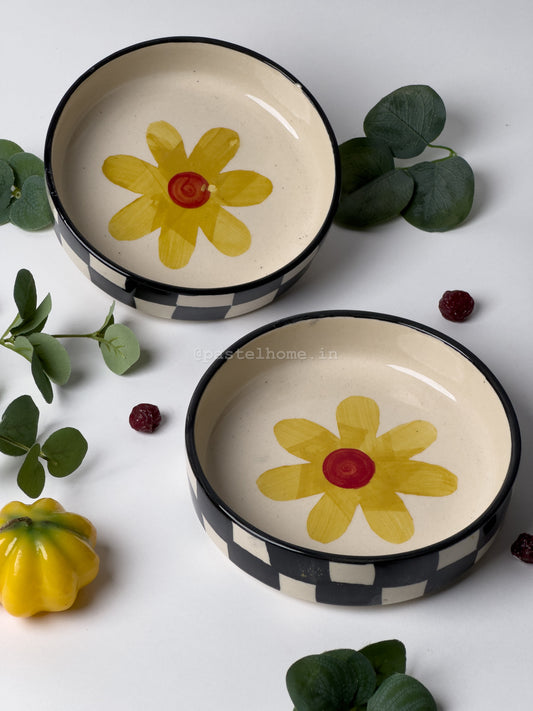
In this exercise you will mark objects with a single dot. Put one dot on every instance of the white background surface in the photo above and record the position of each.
(169, 622)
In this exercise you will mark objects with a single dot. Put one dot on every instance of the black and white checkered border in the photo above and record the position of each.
(303, 575)
(175, 304)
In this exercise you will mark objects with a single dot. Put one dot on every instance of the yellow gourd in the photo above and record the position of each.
(46, 555)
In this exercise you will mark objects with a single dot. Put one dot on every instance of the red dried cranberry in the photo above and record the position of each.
(145, 417)
(456, 305)
(522, 548)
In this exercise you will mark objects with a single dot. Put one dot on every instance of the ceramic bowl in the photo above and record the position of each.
(191, 178)
(351, 457)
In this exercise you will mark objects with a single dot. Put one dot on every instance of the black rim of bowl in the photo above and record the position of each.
(163, 286)
(495, 505)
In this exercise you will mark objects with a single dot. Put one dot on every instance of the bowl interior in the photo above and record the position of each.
(196, 86)
(301, 372)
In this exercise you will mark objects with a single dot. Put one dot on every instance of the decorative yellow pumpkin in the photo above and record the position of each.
(46, 555)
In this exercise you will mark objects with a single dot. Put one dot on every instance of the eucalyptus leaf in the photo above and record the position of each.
(324, 682)
(4, 215)
(109, 320)
(443, 194)
(53, 356)
(8, 149)
(407, 119)
(31, 474)
(378, 201)
(19, 423)
(24, 165)
(36, 321)
(31, 211)
(387, 657)
(25, 293)
(64, 450)
(22, 346)
(7, 179)
(41, 378)
(401, 692)
(120, 348)
(362, 160)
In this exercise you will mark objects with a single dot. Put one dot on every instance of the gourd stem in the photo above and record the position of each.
(14, 522)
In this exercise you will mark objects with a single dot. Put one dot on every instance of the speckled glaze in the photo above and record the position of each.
(193, 84)
(303, 367)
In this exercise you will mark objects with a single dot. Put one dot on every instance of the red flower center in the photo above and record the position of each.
(348, 468)
(188, 189)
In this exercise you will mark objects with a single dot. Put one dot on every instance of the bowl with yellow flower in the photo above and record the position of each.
(351, 457)
(191, 178)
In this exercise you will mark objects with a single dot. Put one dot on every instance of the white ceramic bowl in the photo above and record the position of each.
(191, 178)
(351, 457)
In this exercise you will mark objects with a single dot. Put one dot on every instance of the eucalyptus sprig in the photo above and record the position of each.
(23, 199)
(372, 678)
(63, 451)
(50, 361)
(433, 195)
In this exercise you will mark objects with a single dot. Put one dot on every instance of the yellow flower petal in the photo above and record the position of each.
(166, 146)
(214, 149)
(227, 233)
(330, 517)
(405, 441)
(134, 174)
(136, 220)
(293, 481)
(242, 187)
(358, 422)
(305, 439)
(387, 515)
(418, 478)
(176, 244)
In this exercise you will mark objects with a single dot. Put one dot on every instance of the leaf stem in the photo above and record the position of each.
(443, 148)
(24, 447)
(73, 335)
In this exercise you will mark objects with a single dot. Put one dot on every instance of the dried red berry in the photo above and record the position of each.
(456, 305)
(522, 548)
(145, 417)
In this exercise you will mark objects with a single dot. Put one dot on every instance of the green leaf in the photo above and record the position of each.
(324, 682)
(109, 320)
(32, 211)
(387, 657)
(22, 346)
(53, 356)
(401, 692)
(7, 179)
(366, 678)
(8, 149)
(4, 215)
(64, 451)
(362, 160)
(443, 194)
(120, 349)
(41, 378)
(37, 320)
(407, 119)
(25, 293)
(24, 165)
(19, 423)
(378, 201)
(31, 474)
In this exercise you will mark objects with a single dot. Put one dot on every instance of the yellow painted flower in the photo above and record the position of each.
(357, 468)
(182, 194)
